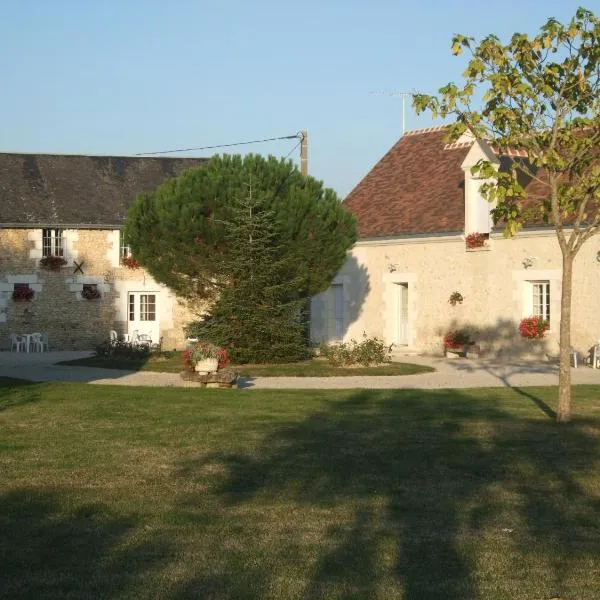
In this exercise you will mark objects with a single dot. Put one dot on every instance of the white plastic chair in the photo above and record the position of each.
(596, 355)
(17, 342)
(114, 337)
(143, 339)
(44, 341)
(36, 343)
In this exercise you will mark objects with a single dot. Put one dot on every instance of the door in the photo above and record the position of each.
(402, 313)
(143, 315)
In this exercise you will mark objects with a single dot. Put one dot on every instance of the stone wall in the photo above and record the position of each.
(58, 307)
(491, 281)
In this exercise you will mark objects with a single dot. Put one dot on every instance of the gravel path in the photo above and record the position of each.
(456, 373)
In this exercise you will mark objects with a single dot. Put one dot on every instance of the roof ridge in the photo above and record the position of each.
(76, 155)
(425, 130)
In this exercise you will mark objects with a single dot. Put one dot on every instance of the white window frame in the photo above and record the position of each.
(53, 242)
(124, 248)
(540, 299)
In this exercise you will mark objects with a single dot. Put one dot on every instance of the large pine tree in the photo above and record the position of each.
(258, 315)
(177, 232)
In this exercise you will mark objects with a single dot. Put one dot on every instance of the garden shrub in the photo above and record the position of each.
(122, 350)
(371, 351)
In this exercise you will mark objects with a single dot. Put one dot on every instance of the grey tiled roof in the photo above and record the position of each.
(48, 189)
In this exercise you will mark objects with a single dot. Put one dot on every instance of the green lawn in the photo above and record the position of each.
(119, 492)
(307, 368)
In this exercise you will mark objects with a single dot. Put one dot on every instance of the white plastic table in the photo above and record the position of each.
(27, 337)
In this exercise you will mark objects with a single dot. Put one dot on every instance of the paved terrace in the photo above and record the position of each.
(450, 373)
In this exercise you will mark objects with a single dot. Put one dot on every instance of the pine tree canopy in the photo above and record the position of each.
(178, 232)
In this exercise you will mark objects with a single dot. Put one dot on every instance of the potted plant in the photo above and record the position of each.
(476, 240)
(203, 357)
(455, 298)
(456, 341)
(130, 262)
(23, 294)
(52, 263)
(533, 328)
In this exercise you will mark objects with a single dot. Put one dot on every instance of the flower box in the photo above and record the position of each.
(476, 240)
(52, 263)
(130, 262)
(23, 294)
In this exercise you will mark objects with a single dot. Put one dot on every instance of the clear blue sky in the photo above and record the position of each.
(127, 76)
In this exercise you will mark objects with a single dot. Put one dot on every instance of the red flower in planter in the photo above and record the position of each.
(23, 294)
(130, 262)
(476, 240)
(52, 263)
(456, 339)
(533, 327)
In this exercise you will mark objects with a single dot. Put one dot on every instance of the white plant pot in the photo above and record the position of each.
(208, 365)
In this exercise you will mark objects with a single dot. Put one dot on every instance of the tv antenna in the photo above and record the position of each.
(404, 96)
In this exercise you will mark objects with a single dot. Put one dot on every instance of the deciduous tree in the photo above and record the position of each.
(540, 105)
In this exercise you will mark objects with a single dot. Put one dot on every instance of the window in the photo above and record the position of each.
(124, 249)
(90, 291)
(147, 307)
(541, 299)
(22, 291)
(131, 307)
(52, 242)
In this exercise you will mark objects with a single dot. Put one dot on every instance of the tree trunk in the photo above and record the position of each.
(563, 413)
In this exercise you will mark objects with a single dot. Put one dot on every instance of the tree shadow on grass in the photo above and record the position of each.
(51, 551)
(17, 392)
(430, 495)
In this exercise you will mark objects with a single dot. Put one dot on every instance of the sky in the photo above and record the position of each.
(121, 77)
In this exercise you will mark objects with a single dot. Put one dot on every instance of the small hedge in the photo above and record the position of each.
(371, 351)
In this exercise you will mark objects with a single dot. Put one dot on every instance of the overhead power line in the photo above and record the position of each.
(273, 139)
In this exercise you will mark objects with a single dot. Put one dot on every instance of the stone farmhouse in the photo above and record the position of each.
(415, 209)
(73, 208)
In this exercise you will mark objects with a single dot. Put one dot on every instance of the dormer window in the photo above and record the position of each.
(52, 242)
(477, 208)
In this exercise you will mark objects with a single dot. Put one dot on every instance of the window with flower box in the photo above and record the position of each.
(52, 242)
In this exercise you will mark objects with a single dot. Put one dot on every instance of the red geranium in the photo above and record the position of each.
(475, 240)
(533, 327)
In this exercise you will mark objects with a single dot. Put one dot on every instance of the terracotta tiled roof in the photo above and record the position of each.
(78, 190)
(417, 187)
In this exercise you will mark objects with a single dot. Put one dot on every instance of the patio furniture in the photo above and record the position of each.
(596, 355)
(45, 344)
(141, 339)
(35, 342)
(17, 342)
(113, 337)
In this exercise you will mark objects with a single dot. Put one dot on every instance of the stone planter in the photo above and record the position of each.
(208, 365)
(225, 378)
(455, 351)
